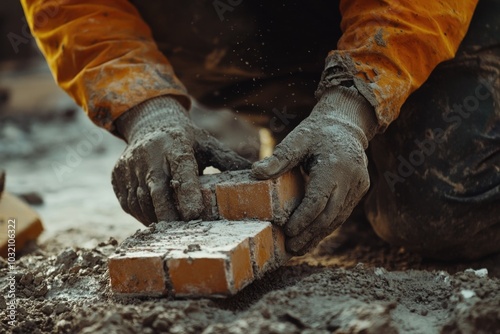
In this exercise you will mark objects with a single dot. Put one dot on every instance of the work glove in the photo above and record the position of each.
(330, 144)
(156, 178)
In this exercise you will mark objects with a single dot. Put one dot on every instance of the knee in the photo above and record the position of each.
(410, 227)
(433, 223)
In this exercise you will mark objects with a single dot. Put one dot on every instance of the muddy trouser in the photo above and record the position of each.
(435, 172)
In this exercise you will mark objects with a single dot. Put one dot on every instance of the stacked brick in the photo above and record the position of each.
(238, 240)
(236, 196)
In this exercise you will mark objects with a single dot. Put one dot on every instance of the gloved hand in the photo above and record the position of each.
(156, 178)
(330, 144)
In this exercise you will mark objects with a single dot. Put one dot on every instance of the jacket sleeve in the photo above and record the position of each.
(102, 54)
(390, 47)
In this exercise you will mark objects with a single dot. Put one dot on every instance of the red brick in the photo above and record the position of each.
(194, 259)
(289, 189)
(241, 197)
(241, 266)
(221, 262)
(139, 273)
(263, 250)
(216, 274)
(237, 201)
(199, 276)
(28, 225)
(281, 256)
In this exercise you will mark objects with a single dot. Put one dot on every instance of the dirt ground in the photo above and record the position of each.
(352, 283)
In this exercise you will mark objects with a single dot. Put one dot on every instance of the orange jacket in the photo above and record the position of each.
(103, 54)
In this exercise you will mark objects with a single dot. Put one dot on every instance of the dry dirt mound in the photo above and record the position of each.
(68, 292)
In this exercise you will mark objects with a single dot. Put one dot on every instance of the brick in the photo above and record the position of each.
(28, 225)
(186, 279)
(195, 259)
(281, 256)
(241, 262)
(263, 250)
(140, 273)
(289, 189)
(212, 258)
(211, 274)
(242, 201)
(240, 197)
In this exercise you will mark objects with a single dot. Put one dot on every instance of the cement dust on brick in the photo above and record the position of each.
(63, 282)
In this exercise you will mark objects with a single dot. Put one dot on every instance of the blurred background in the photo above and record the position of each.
(54, 157)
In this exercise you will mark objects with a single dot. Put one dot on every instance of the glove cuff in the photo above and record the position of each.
(350, 107)
(149, 115)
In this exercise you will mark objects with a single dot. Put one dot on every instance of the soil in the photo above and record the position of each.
(352, 283)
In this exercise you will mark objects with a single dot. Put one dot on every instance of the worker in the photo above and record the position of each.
(418, 80)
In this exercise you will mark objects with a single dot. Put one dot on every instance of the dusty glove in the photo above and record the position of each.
(330, 144)
(156, 178)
